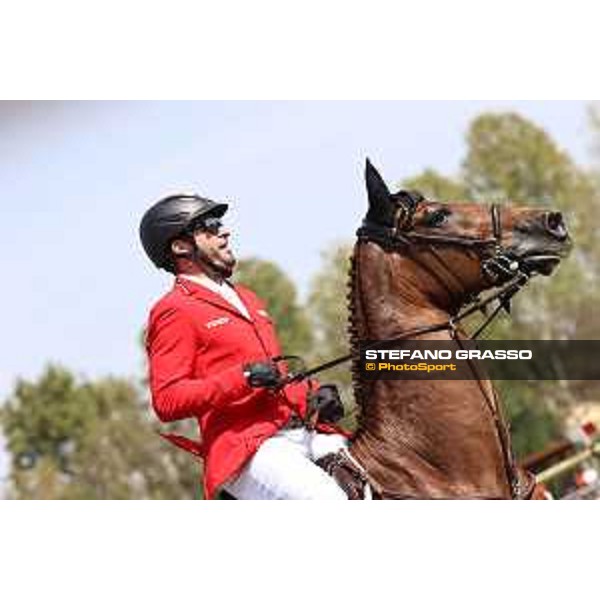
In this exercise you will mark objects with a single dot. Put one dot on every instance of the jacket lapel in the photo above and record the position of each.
(248, 298)
(200, 292)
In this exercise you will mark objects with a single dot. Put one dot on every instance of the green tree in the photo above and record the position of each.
(533, 422)
(40, 418)
(594, 121)
(71, 439)
(328, 307)
(510, 157)
(273, 286)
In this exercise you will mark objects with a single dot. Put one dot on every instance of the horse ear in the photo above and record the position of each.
(376, 187)
(380, 201)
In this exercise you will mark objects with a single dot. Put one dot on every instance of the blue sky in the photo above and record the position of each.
(76, 177)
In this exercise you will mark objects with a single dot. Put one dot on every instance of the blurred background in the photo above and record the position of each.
(77, 176)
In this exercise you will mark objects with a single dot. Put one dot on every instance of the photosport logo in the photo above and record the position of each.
(484, 359)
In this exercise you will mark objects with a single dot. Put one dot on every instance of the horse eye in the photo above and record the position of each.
(437, 218)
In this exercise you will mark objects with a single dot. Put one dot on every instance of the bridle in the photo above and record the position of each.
(497, 265)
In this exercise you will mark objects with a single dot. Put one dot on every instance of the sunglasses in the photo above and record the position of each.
(209, 224)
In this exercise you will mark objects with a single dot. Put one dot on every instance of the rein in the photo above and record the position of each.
(504, 295)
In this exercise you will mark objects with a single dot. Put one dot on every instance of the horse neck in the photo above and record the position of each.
(386, 301)
(386, 294)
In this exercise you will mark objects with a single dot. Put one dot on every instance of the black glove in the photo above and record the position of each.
(326, 400)
(263, 375)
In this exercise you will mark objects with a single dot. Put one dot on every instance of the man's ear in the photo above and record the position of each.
(182, 248)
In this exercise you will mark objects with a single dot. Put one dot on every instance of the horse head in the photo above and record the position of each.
(466, 247)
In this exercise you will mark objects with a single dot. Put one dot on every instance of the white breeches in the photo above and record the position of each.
(283, 469)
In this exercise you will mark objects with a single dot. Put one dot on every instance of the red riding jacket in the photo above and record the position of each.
(197, 343)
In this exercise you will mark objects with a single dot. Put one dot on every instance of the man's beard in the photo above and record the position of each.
(225, 268)
(221, 266)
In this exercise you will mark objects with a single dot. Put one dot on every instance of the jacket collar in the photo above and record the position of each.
(200, 292)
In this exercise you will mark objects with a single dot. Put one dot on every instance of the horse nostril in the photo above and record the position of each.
(555, 225)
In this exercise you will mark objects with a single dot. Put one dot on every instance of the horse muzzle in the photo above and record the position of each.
(541, 242)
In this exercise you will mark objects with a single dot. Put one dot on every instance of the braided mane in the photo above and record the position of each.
(355, 331)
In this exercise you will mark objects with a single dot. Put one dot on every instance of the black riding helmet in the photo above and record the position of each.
(171, 217)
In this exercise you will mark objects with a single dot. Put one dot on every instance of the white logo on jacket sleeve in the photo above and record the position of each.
(217, 322)
(263, 313)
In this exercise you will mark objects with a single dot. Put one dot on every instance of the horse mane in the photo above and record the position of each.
(355, 329)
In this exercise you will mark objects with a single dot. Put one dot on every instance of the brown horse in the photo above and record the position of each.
(416, 263)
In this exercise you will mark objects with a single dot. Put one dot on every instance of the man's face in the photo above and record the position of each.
(213, 245)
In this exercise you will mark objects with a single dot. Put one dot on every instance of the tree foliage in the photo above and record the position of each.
(328, 307)
(510, 157)
(71, 439)
(594, 121)
(273, 286)
(42, 417)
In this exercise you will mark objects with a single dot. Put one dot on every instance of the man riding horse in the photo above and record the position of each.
(213, 353)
